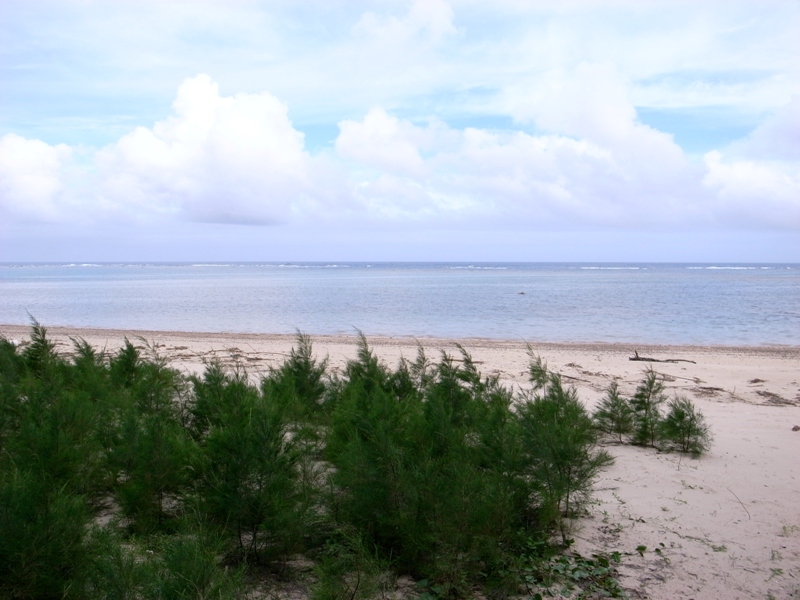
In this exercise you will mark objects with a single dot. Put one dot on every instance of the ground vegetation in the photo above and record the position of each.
(123, 478)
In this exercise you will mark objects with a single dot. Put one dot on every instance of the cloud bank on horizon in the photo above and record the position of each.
(323, 121)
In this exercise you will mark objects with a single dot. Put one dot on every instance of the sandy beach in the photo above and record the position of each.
(726, 525)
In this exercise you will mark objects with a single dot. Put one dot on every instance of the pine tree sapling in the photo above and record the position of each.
(559, 442)
(685, 428)
(614, 414)
(646, 404)
(248, 483)
(43, 552)
(299, 382)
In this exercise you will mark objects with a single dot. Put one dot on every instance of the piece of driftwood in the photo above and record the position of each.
(661, 360)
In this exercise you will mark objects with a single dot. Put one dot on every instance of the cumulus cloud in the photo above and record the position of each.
(757, 179)
(594, 162)
(761, 193)
(381, 141)
(31, 178)
(238, 159)
(234, 159)
(777, 138)
(510, 178)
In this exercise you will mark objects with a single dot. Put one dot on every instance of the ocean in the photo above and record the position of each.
(704, 304)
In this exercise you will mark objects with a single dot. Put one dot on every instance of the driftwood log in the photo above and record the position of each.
(659, 360)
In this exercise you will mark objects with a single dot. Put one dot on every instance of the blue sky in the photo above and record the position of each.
(612, 130)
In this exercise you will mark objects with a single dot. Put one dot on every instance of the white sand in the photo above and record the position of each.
(729, 522)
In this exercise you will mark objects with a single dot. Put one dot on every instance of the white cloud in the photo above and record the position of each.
(330, 61)
(385, 142)
(760, 193)
(591, 102)
(31, 178)
(757, 179)
(238, 159)
(430, 19)
(235, 159)
(514, 178)
(597, 166)
(777, 138)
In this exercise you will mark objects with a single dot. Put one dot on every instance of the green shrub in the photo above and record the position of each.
(182, 566)
(684, 428)
(559, 445)
(42, 538)
(152, 454)
(40, 354)
(51, 413)
(119, 569)
(614, 414)
(249, 482)
(153, 460)
(646, 404)
(189, 568)
(56, 441)
(12, 370)
(430, 468)
(125, 365)
(216, 395)
(348, 570)
(299, 382)
(426, 467)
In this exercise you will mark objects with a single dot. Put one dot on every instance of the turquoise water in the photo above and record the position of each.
(642, 303)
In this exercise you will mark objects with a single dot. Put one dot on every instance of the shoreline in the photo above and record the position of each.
(727, 525)
(398, 340)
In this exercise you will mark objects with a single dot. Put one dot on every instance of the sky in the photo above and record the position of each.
(461, 130)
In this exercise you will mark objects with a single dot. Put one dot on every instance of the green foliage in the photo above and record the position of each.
(182, 566)
(48, 417)
(249, 480)
(425, 465)
(11, 370)
(40, 354)
(189, 569)
(588, 577)
(124, 366)
(153, 459)
(614, 414)
(42, 529)
(646, 404)
(559, 441)
(51, 440)
(216, 395)
(539, 571)
(299, 382)
(348, 570)
(429, 468)
(684, 427)
(119, 571)
(152, 454)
